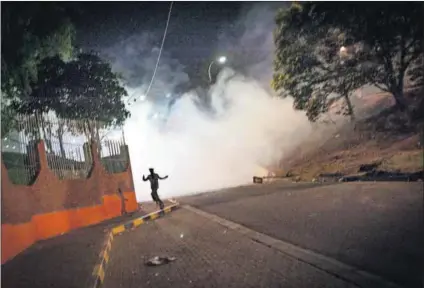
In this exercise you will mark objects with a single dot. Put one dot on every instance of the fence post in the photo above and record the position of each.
(87, 153)
(39, 155)
(125, 149)
(94, 153)
(124, 152)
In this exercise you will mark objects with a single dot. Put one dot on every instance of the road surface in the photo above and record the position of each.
(207, 255)
(375, 226)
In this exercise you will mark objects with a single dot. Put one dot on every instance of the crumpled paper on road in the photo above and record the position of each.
(158, 260)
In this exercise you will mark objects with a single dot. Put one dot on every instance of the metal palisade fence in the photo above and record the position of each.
(67, 146)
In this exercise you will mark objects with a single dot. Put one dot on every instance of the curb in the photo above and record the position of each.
(141, 220)
(332, 266)
(99, 269)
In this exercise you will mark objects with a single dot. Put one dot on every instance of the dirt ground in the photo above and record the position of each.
(391, 139)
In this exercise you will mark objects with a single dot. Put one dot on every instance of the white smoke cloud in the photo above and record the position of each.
(201, 152)
(246, 127)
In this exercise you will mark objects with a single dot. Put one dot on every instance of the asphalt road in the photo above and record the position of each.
(207, 255)
(375, 226)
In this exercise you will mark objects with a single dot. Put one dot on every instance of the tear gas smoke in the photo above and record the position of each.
(202, 152)
(243, 128)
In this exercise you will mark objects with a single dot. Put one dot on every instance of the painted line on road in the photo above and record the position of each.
(100, 268)
(334, 267)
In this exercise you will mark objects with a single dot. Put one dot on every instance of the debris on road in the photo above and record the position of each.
(157, 261)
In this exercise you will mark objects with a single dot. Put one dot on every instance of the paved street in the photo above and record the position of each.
(375, 226)
(207, 255)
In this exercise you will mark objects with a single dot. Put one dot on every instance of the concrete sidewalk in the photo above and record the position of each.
(65, 261)
(207, 255)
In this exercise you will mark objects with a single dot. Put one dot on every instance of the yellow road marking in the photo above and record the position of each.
(138, 222)
(106, 257)
(118, 229)
(98, 271)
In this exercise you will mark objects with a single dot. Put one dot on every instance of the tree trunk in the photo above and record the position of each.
(92, 130)
(400, 100)
(86, 130)
(60, 137)
(98, 141)
(349, 107)
(97, 133)
(47, 140)
(398, 91)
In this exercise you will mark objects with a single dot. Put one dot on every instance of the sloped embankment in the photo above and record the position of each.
(387, 143)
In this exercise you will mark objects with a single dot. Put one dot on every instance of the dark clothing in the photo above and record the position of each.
(154, 185)
(156, 198)
(154, 181)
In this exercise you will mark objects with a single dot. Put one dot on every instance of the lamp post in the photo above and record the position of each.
(221, 60)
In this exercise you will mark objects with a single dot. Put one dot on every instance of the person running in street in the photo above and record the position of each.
(154, 185)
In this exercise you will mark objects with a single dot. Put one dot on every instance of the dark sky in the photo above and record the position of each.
(192, 34)
(198, 32)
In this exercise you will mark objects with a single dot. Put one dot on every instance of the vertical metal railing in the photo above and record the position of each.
(19, 150)
(113, 155)
(67, 149)
(67, 146)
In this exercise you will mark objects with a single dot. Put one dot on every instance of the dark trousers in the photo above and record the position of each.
(156, 198)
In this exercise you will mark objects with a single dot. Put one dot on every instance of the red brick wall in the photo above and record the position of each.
(51, 206)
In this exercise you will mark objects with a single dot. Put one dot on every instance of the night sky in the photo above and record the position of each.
(192, 34)
(198, 32)
(128, 35)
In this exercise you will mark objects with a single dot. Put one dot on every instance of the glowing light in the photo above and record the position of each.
(222, 59)
(168, 95)
(343, 52)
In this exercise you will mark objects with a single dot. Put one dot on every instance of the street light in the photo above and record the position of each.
(221, 60)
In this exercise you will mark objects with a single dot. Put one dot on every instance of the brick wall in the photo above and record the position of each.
(50, 206)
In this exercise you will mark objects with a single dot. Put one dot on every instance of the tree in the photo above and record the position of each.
(310, 68)
(27, 39)
(83, 89)
(94, 93)
(388, 37)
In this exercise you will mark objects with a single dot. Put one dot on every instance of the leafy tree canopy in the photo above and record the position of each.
(334, 48)
(84, 88)
(27, 39)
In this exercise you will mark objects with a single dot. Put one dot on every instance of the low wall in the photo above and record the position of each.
(50, 207)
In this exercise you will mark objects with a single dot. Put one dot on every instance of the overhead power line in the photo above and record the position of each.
(160, 52)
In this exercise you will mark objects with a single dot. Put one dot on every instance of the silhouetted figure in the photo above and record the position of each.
(154, 184)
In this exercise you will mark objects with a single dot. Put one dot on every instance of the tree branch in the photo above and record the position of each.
(381, 87)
